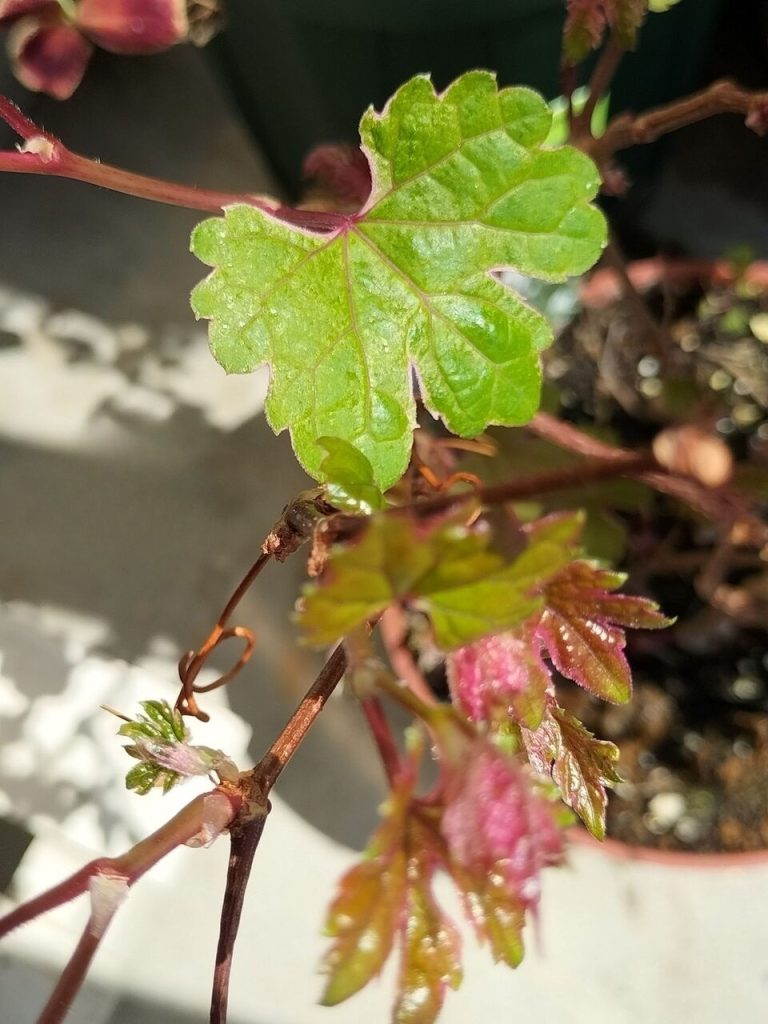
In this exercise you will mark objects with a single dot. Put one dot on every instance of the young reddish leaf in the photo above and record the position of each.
(366, 913)
(587, 21)
(584, 27)
(581, 628)
(580, 765)
(496, 824)
(448, 570)
(500, 677)
(430, 952)
(341, 172)
(48, 56)
(133, 26)
(462, 185)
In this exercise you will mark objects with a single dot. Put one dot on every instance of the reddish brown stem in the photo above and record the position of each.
(599, 83)
(382, 734)
(716, 504)
(125, 869)
(64, 892)
(243, 845)
(19, 122)
(43, 153)
(71, 978)
(300, 722)
(564, 435)
(394, 633)
(622, 464)
(130, 865)
(723, 97)
(247, 834)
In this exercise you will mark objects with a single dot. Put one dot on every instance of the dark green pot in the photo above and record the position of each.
(303, 71)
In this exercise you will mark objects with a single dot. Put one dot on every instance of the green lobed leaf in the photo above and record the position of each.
(160, 744)
(160, 721)
(349, 477)
(146, 775)
(448, 570)
(580, 765)
(462, 186)
(581, 628)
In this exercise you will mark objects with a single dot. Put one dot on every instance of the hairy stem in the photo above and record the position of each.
(130, 865)
(43, 153)
(71, 978)
(197, 819)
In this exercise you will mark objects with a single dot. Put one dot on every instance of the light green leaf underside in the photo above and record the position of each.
(450, 572)
(461, 187)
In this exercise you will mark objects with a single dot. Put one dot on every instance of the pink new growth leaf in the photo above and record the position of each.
(495, 824)
(581, 628)
(500, 677)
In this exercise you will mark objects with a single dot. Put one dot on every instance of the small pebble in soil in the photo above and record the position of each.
(745, 413)
(648, 367)
(689, 830)
(693, 741)
(742, 749)
(664, 811)
(746, 688)
(720, 380)
(647, 759)
(652, 387)
(758, 324)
